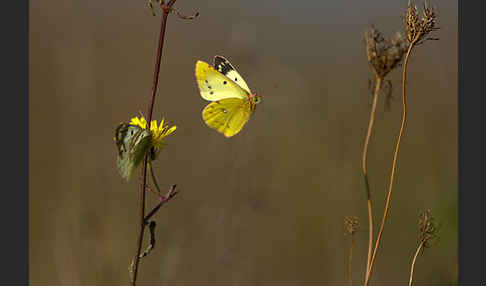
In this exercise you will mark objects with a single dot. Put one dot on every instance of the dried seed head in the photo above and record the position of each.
(412, 25)
(417, 30)
(428, 228)
(429, 20)
(384, 54)
(351, 223)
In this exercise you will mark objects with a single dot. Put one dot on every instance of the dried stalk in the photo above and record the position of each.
(413, 262)
(166, 9)
(394, 164)
(417, 31)
(352, 224)
(384, 55)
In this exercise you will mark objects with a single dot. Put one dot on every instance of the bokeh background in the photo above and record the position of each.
(265, 207)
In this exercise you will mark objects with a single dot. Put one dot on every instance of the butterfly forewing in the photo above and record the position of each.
(213, 85)
(226, 68)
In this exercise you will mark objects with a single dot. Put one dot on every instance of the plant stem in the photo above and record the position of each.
(350, 266)
(365, 171)
(394, 164)
(154, 179)
(170, 194)
(413, 261)
(165, 14)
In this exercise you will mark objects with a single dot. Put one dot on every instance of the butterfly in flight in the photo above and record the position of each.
(232, 101)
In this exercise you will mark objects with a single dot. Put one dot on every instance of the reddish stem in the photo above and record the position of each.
(143, 185)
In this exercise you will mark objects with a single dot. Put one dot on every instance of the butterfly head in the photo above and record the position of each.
(255, 99)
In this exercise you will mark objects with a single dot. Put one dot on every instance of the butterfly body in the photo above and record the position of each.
(232, 101)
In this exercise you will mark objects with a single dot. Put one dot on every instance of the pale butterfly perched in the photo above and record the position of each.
(232, 101)
(136, 139)
(133, 142)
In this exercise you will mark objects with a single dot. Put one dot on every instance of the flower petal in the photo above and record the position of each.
(172, 129)
(153, 125)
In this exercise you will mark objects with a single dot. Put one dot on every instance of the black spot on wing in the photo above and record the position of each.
(222, 65)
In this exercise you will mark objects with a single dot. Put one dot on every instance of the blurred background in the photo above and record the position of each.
(265, 207)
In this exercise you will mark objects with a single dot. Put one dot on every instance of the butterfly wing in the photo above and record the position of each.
(227, 116)
(213, 85)
(226, 68)
(133, 143)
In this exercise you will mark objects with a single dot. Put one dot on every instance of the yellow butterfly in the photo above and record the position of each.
(232, 101)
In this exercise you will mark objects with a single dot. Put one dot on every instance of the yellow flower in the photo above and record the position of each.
(159, 132)
(140, 122)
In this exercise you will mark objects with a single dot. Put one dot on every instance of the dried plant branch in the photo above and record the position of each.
(350, 267)
(166, 9)
(163, 200)
(427, 233)
(184, 17)
(417, 31)
(365, 170)
(370, 237)
(428, 228)
(352, 224)
(395, 159)
(152, 224)
(171, 9)
(413, 262)
(383, 55)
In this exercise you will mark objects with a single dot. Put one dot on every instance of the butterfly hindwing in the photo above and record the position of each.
(213, 85)
(227, 116)
(133, 143)
(226, 68)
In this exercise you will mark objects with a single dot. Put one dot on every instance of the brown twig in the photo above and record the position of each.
(413, 261)
(350, 269)
(165, 14)
(384, 55)
(152, 224)
(365, 170)
(416, 32)
(428, 233)
(368, 136)
(172, 193)
(394, 164)
(351, 224)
